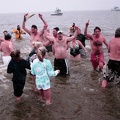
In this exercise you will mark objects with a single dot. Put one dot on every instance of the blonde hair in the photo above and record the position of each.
(41, 53)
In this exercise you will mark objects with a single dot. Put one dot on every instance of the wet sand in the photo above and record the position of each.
(75, 97)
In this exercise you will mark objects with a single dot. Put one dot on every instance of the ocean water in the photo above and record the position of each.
(76, 97)
(108, 21)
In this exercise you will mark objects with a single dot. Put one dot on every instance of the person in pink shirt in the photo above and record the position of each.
(6, 48)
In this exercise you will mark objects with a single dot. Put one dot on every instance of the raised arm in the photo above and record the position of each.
(74, 36)
(23, 25)
(48, 36)
(85, 31)
(45, 24)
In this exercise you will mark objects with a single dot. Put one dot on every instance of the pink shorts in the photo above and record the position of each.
(97, 59)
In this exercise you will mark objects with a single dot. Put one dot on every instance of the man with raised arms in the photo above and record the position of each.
(60, 51)
(35, 36)
(96, 41)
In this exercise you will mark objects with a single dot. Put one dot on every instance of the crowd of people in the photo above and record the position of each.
(59, 44)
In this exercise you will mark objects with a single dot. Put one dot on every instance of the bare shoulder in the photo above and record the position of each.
(112, 40)
(102, 37)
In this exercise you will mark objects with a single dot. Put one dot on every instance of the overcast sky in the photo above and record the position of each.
(16, 6)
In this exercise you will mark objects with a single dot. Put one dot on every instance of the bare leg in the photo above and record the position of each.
(101, 66)
(41, 95)
(94, 64)
(47, 96)
(104, 84)
(18, 98)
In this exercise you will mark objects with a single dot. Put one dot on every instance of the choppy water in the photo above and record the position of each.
(76, 97)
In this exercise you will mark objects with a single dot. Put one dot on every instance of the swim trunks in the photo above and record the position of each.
(62, 65)
(112, 71)
(96, 59)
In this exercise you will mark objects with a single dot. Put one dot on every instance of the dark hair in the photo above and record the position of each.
(117, 33)
(34, 26)
(15, 55)
(73, 25)
(18, 25)
(56, 28)
(97, 28)
(7, 36)
(5, 31)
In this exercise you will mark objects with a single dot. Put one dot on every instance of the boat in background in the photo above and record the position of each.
(115, 9)
(57, 12)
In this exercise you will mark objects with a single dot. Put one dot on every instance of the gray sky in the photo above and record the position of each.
(15, 6)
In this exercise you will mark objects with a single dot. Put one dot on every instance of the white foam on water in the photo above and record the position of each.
(3, 79)
(91, 90)
(85, 88)
(26, 50)
(4, 86)
(3, 67)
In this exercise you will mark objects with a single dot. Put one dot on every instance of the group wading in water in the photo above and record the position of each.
(64, 48)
